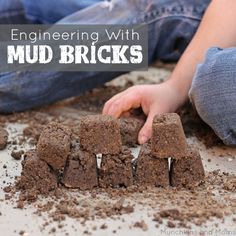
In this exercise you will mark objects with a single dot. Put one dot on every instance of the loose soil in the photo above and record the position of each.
(214, 198)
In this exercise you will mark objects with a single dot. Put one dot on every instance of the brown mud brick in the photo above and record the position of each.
(151, 171)
(129, 128)
(81, 170)
(187, 171)
(54, 145)
(168, 138)
(36, 174)
(3, 138)
(116, 170)
(100, 134)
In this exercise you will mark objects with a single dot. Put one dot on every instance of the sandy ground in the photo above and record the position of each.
(13, 220)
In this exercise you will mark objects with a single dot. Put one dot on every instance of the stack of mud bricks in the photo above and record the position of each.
(169, 141)
(75, 161)
(98, 135)
(61, 157)
(101, 135)
(43, 166)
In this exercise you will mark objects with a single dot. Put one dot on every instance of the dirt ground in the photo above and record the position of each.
(209, 209)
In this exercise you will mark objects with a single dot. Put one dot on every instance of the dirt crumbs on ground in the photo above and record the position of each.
(141, 224)
(17, 154)
(200, 205)
(230, 184)
(170, 206)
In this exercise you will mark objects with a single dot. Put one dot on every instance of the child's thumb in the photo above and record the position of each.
(146, 132)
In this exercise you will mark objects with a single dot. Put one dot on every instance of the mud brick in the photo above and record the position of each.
(129, 128)
(54, 145)
(100, 134)
(116, 170)
(168, 138)
(151, 171)
(187, 171)
(81, 170)
(36, 174)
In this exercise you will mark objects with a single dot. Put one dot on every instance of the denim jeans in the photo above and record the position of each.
(213, 92)
(171, 25)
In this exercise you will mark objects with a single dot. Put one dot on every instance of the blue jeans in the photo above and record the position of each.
(213, 92)
(172, 24)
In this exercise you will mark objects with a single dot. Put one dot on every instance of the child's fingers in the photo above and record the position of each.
(125, 114)
(146, 132)
(124, 103)
(110, 102)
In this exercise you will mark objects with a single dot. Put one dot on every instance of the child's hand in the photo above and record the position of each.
(169, 96)
(154, 99)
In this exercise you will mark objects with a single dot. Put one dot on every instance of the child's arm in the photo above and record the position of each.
(218, 28)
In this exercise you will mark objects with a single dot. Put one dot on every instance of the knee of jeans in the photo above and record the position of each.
(209, 92)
